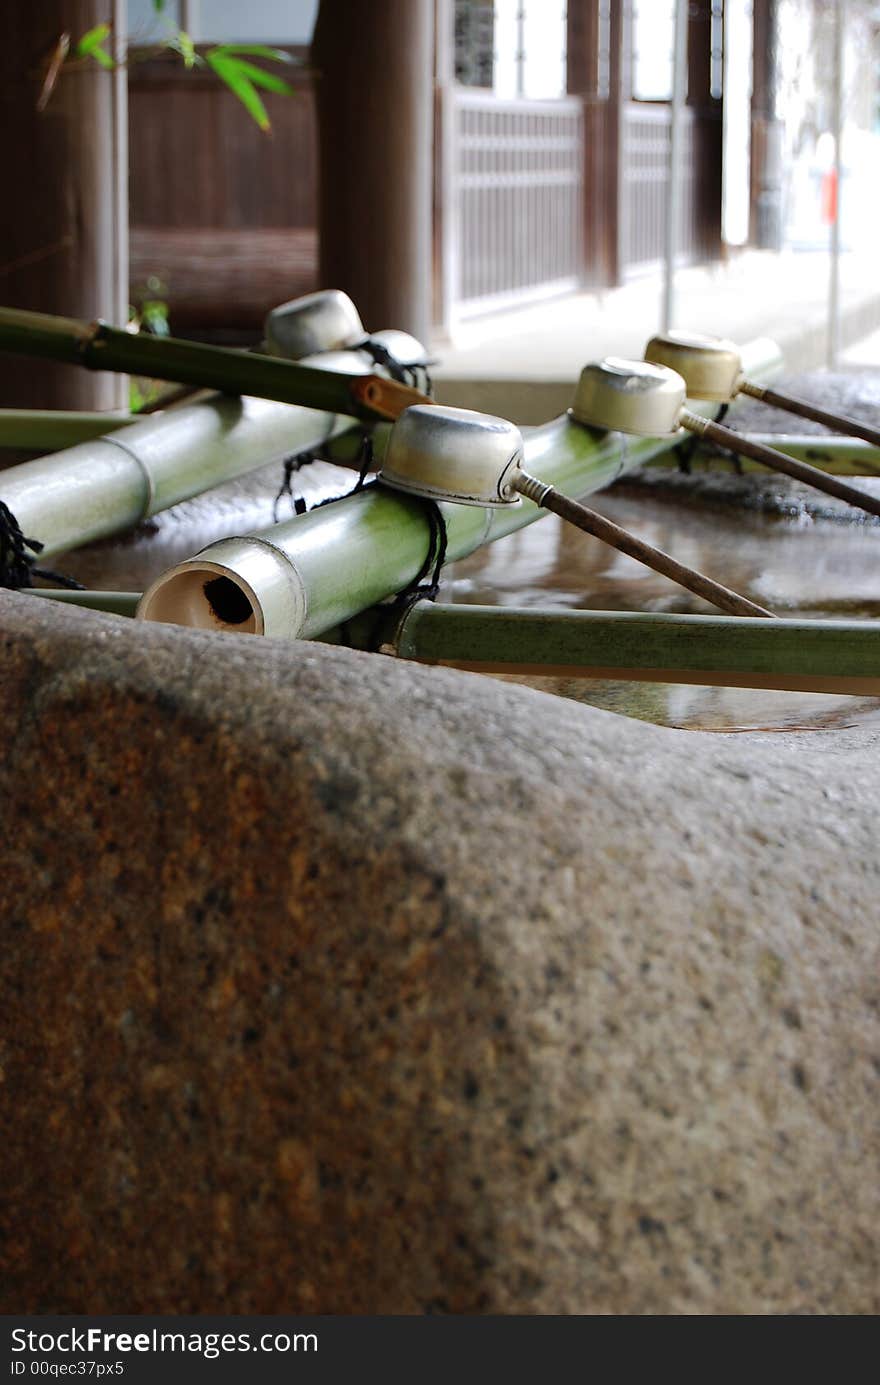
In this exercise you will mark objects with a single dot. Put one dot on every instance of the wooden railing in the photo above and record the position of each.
(644, 174)
(513, 200)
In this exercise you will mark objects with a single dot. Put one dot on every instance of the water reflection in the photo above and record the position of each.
(792, 563)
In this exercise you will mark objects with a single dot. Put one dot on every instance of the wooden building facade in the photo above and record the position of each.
(533, 196)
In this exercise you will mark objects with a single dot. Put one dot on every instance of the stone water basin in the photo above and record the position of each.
(331, 987)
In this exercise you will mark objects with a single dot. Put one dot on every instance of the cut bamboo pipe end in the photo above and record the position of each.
(237, 586)
(385, 398)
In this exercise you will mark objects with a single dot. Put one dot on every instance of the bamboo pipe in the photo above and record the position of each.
(101, 487)
(828, 656)
(840, 456)
(47, 430)
(113, 603)
(142, 454)
(98, 346)
(711, 368)
(299, 579)
(643, 397)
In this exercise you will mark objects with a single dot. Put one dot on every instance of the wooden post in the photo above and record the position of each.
(445, 233)
(620, 84)
(673, 190)
(582, 79)
(708, 129)
(374, 85)
(767, 132)
(57, 233)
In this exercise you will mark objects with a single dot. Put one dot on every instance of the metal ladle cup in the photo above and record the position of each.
(442, 453)
(325, 329)
(712, 369)
(647, 398)
(314, 324)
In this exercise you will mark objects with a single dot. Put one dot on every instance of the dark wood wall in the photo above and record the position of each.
(222, 214)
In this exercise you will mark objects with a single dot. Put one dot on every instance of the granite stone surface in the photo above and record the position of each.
(332, 984)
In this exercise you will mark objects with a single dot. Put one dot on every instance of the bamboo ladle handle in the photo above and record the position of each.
(591, 522)
(777, 461)
(853, 427)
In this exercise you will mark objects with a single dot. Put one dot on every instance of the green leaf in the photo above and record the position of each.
(227, 69)
(158, 6)
(183, 44)
(252, 50)
(92, 40)
(89, 46)
(261, 78)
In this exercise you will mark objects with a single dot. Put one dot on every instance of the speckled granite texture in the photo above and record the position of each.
(331, 984)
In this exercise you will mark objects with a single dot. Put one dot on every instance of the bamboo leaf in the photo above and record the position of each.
(227, 69)
(89, 46)
(261, 78)
(183, 44)
(92, 39)
(253, 50)
(103, 58)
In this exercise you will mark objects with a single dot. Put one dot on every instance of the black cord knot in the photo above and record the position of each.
(438, 542)
(18, 566)
(403, 374)
(292, 464)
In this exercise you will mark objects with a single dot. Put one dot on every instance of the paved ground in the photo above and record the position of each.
(523, 363)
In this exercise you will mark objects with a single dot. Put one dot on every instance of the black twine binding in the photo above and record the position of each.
(298, 460)
(438, 542)
(367, 465)
(17, 568)
(292, 464)
(403, 374)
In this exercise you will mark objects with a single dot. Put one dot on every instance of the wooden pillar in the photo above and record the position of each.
(708, 131)
(445, 248)
(582, 74)
(374, 85)
(59, 215)
(767, 132)
(620, 91)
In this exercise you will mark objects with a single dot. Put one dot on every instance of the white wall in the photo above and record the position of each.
(543, 48)
(145, 25)
(258, 21)
(227, 21)
(653, 44)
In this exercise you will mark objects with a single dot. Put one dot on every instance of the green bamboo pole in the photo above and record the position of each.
(114, 603)
(100, 487)
(301, 578)
(98, 346)
(48, 430)
(839, 656)
(839, 456)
